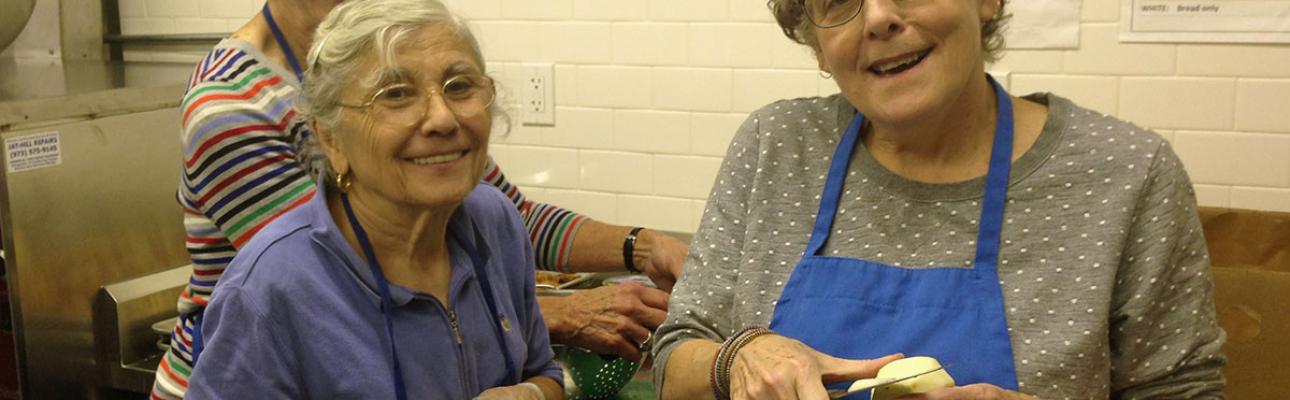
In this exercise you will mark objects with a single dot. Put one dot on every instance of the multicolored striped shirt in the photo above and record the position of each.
(241, 131)
(550, 228)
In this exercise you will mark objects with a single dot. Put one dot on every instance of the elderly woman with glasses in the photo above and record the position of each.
(405, 277)
(1033, 247)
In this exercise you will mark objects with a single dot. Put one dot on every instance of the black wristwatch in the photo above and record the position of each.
(629, 246)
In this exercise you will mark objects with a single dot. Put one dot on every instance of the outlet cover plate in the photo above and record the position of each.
(538, 94)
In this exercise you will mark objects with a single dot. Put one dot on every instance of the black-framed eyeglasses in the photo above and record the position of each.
(826, 14)
(405, 104)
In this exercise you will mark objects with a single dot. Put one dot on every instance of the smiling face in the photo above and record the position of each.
(900, 60)
(428, 163)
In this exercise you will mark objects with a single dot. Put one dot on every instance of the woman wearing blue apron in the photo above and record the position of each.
(1023, 242)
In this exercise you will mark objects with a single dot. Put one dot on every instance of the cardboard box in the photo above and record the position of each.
(1250, 251)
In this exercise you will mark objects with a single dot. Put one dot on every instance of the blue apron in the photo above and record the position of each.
(861, 309)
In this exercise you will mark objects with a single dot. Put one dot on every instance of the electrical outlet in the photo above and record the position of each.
(539, 95)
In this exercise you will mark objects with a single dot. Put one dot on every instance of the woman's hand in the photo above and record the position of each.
(608, 320)
(509, 393)
(665, 257)
(978, 391)
(777, 367)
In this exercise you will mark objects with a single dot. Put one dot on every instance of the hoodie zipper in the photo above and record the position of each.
(456, 330)
(463, 366)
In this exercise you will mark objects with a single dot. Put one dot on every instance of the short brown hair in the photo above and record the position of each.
(791, 16)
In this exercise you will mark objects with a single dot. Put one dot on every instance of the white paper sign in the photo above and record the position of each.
(1043, 24)
(1229, 21)
(33, 151)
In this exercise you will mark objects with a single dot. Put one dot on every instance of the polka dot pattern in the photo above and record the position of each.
(1103, 266)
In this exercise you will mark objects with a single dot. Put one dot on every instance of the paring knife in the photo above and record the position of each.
(873, 383)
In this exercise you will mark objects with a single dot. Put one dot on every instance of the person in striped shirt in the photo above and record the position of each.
(245, 164)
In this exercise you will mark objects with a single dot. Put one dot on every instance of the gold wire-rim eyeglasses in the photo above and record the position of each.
(402, 98)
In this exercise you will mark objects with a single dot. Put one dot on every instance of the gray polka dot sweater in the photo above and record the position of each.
(1103, 266)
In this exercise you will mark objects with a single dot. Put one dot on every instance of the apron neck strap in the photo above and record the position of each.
(282, 43)
(996, 190)
(833, 186)
(996, 182)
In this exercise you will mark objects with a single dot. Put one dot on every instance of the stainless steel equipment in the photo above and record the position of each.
(105, 214)
(124, 315)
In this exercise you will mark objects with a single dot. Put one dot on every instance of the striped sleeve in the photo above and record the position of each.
(240, 130)
(240, 127)
(550, 228)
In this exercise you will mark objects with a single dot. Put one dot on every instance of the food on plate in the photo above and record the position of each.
(555, 279)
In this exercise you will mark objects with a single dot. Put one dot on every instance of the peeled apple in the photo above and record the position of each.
(906, 367)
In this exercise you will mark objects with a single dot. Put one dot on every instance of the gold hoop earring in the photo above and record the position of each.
(343, 181)
(826, 74)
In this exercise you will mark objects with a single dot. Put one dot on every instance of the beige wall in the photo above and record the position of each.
(649, 92)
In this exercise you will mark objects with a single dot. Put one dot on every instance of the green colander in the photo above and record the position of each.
(598, 375)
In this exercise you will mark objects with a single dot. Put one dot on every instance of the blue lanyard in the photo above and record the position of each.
(282, 42)
(387, 305)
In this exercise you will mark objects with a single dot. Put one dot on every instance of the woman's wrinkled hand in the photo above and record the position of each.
(664, 259)
(978, 391)
(779, 368)
(613, 319)
(509, 393)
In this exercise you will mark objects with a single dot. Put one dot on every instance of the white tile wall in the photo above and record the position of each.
(609, 10)
(479, 9)
(587, 128)
(1255, 198)
(616, 172)
(533, 9)
(602, 206)
(651, 43)
(542, 166)
(684, 176)
(730, 45)
(1184, 103)
(653, 211)
(575, 42)
(649, 93)
(710, 134)
(1243, 159)
(1214, 195)
(690, 10)
(1094, 92)
(508, 41)
(665, 132)
(692, 89)
(1263, 104)
(1030, 61)
(1101, 53)
(614, 86)
(1235, 60)
(756, 88)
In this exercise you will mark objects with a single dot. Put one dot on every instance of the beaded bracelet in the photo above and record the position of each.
(725, 359)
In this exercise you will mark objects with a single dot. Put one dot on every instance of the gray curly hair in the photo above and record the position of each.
(352, 31)
(792, 19)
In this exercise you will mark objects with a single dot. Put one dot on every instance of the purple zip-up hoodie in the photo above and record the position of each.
(297, 315)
